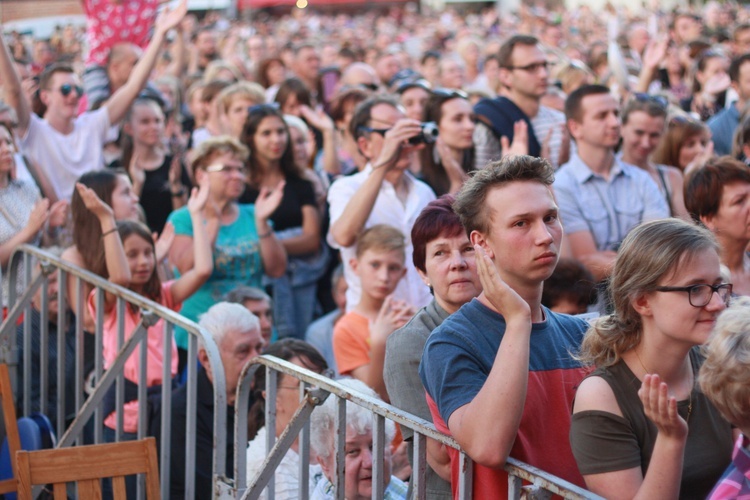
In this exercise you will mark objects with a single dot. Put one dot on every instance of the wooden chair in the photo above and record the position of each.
(86, 465)
(11, 427)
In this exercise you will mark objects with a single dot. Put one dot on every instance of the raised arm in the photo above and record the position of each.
(487, 426)
(119, 103)
(10, 80)
(272, 252)
(203, 264)
(114, 253)
(353, 218)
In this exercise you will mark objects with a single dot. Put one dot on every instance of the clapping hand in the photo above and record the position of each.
(661, 408)
(393, 315)
(520, 144)
(268, 201)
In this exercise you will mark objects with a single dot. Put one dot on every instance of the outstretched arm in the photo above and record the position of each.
(11, 82)
(119, 103)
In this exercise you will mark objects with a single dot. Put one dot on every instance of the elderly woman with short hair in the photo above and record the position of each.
(357, 449)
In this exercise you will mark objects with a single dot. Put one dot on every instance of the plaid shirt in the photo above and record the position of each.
(735, 482)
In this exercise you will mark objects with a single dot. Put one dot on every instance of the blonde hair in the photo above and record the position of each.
(240, 90)
(208, 149)
(383, 238)
(650, 252)
(725, 375)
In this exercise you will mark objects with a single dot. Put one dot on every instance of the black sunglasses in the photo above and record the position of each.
(263, 108)
(370, 130)
(67, 88)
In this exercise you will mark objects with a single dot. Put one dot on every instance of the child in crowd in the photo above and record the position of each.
(359, 336)
(724, 380)
(570, 289)
(130, 257)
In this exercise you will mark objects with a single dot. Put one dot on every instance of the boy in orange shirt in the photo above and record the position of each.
(359, 336)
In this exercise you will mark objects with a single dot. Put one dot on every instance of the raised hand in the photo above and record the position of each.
(317, 118)
(198, 197)
(452, 167)
(92, 201)
(661, 408)
(163, 243)
(395, 140)
(137, 174)
(37, 217)
(58, 213)
(656, 52)
(170, 18)
(502, 297)
(268, 201)
(520, 144)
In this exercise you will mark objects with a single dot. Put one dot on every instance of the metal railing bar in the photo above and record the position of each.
(8, 328)
(120, 386)
(340, 447)
(62, 361)
(98, 362)
(190, 421)
(166, 401)
(304, 450)
(80, 348)
(271, 387)
(465, 477)
(43, 346)
(378, 445)
(419, 466)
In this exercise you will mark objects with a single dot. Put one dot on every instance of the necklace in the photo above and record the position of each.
(690, 394)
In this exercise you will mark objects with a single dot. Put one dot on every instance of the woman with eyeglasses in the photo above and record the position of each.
(643, 123)
(641, 428)
(445, 164)
(296, 221)
(686, 144)
(718, 197)
(244, 244)
(302, 354)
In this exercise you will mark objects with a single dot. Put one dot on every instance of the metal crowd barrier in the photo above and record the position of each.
(314, 389)
(151, 312)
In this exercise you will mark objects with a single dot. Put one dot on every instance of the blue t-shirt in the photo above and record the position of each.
(237, 261)
(457, 360)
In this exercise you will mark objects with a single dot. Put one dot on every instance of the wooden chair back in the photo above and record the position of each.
(11, 427)
(87, 465)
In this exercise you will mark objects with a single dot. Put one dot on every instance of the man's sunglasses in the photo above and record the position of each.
(67, 88)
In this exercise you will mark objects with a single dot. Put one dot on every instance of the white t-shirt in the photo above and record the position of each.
(64, 158)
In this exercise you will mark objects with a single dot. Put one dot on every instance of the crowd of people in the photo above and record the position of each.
(420, 203)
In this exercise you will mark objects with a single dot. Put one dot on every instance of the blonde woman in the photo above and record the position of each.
(641, 428)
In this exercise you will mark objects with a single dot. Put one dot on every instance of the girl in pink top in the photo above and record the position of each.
(130, 258)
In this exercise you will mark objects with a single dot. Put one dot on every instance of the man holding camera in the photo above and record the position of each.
(384, 192)
(601, 198)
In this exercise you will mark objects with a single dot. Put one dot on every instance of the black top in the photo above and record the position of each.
(156, 198)
(297, 193)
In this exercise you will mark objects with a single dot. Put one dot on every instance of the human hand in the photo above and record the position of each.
(37, 217)
(520, 144)
(717, 84)
(501, 296)
(198, 197)
(92, 201)
(452, 167)
(58, 213)
(170, 18)
(393, 315)
(655, 53)
(701, 158)
(163, 242)
(317, 118)
(268, 201)
(661, 408)
(395, 140)
(137, 174)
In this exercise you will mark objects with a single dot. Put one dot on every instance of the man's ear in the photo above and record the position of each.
(44, 96)
(363, 145)
(480, 239)
(354, 263)
(574, 128)
(504, 77)
(203, 359)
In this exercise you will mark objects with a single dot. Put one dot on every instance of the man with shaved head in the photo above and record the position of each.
(359, 74)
